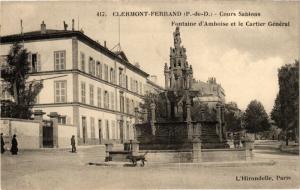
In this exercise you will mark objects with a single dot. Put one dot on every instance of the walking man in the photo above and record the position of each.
(73, 144)
(2, 144)
(14, 145)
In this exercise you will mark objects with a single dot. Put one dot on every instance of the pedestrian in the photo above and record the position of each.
(243, 140)
(73, 144)
(2, 144)
(14, 145)
(236, 140)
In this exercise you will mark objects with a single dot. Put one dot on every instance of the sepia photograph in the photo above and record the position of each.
(127, 94)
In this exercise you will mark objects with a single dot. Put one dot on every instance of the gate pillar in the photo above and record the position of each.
(38, 115)
(54, 118)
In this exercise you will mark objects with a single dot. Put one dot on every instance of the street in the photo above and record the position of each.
(64, 170)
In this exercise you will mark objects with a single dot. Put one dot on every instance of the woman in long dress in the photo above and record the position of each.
(14, 145)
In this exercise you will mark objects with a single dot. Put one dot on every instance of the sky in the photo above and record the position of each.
(244, 60)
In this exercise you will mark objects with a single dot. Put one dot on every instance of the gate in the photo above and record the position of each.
(47, 134)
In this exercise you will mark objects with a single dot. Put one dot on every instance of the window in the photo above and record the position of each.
(121, 102)
(131, 84)
(98, 71)
(127, 105)
(61, 120)
(105, 72)
(99, 97)
(107, 129)
(126, 78)
(112, 101)
(106, 100)
(92, 120)
(100, 131)
(91, 66)
(127, 130)
(132, 107)
(136, 87)
(118, 130)
(83, 125)
(60, 91)
(91, 95)
(34, 62)
(113, 130)
(112, 75)
(82, 62)
(60, 60)
(83, 92)
(140, 89)
(120, 76)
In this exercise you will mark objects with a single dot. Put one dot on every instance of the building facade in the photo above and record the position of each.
(210, 92)
(92, 88)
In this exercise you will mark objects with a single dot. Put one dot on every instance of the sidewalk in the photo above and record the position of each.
(292, 149)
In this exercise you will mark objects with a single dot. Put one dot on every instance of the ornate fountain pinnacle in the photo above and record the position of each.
(177, 39)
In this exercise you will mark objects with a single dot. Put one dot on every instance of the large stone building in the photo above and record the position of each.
(91, 88)
(211, 92)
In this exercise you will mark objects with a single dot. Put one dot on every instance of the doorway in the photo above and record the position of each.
(48, 134)
(84, 130)
(100, 131)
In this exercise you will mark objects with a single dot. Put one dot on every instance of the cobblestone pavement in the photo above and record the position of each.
(65, 170)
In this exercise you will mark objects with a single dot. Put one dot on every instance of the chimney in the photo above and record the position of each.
(65, 26)
(137, 65)
(43, 28)
(72, 24)
(105, 44)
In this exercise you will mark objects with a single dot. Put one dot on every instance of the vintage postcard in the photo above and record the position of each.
(149, 95)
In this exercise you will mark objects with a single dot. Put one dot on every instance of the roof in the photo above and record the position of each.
(122, 55)
(54, 34)
(155, 85)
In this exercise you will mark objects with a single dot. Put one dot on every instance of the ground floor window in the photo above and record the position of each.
(62, 120)
(83, 124)
(107, 129)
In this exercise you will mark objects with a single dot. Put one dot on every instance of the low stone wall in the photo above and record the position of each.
(28, 132)
(219, 155)
(65, 133)
(165, 156)
(207, 155)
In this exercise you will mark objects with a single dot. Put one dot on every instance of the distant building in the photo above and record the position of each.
(96, 90)
(210, 92)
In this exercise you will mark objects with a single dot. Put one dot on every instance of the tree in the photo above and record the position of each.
(233, 117)
(285, 112)
(256, 118)
(14, 72)
(160, 105)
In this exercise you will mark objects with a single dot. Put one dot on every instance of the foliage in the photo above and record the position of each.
(276, 112)
(256, 118)
(285, 112)
(14, 73)
(233, 117)
(208, 114)
(160, 107)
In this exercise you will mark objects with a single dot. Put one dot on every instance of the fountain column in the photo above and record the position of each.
(152, 122)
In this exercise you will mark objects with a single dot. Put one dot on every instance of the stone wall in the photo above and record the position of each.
(219, 155)
(65, 133)
(168, 156)
(28, 132)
